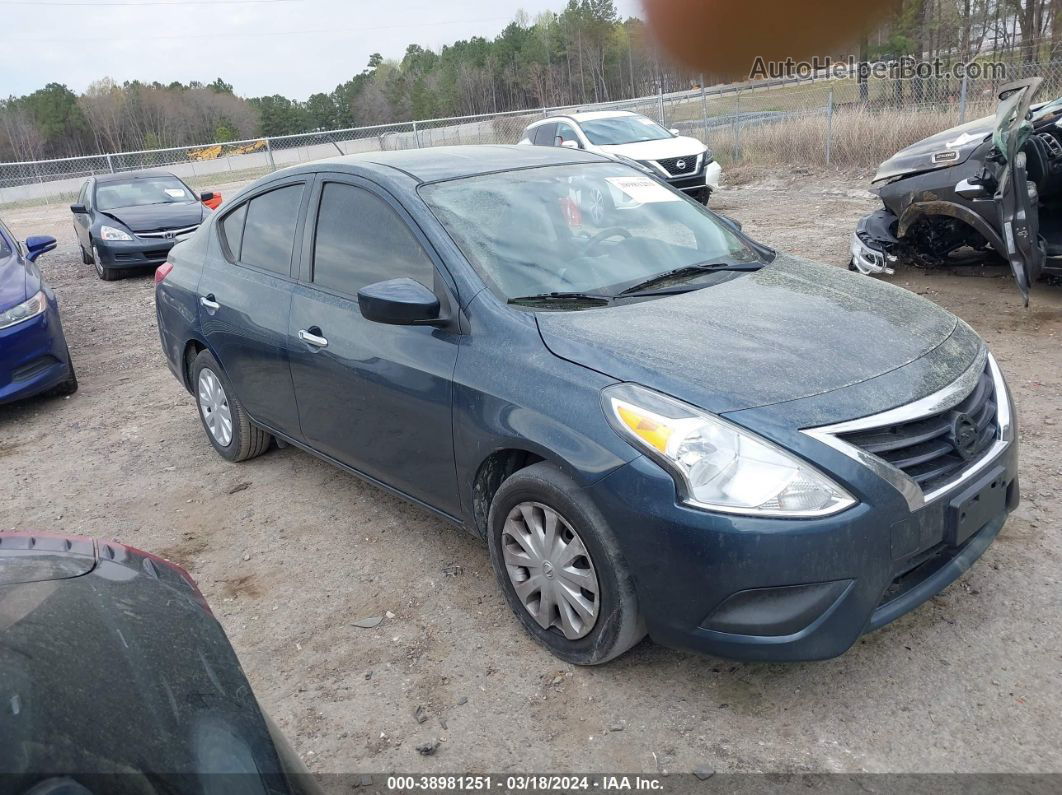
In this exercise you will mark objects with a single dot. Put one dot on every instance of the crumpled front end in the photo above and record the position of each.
(873, 244)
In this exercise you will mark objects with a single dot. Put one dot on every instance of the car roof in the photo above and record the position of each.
(454, 162)
(126, 176)
(589, 115)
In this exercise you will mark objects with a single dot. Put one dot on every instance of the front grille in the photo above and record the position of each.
(689, 165)
(934, 449)
(167, 233)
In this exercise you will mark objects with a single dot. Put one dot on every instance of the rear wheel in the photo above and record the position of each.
(226, 423)
(561, 569)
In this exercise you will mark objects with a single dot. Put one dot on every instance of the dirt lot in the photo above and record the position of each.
(291, 552)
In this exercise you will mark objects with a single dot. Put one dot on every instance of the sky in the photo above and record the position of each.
(290, 47)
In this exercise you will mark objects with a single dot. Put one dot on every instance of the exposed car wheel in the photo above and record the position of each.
(223, 416)
(86, 258)
(561, 569)
(107, 274)
(706, 196)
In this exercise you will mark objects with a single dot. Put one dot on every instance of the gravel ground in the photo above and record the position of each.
(291, 553)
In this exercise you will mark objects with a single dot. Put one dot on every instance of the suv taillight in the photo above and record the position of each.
(162, 271)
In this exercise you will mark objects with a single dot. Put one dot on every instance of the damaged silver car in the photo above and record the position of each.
(990, 187)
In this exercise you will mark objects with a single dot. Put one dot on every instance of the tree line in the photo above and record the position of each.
(583, 54)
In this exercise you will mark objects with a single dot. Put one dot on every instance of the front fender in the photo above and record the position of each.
(926, 209)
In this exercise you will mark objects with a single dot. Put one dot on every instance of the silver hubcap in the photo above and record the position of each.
(550, 570)
(597, 207)
(214, 406)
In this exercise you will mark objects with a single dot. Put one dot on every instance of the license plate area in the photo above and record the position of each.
(976, 505)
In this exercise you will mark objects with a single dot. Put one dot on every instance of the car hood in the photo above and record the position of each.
(918, 157)
(154, 217)
(655, 150)
(792, 330)
(13, 278)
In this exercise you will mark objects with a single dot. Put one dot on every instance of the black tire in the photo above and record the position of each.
(86, 258)
(106, 274)
(618, 626)
(852, 265)
(706, 197)
(69, 386)
(248, 440)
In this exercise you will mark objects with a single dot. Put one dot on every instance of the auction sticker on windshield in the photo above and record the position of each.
(643, 189)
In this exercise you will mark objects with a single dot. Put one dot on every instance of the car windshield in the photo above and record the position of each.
(140, 192)
(622, 130)
(596, 229)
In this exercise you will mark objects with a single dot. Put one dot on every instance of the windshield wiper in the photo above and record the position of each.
(551, 298)
(689, 271)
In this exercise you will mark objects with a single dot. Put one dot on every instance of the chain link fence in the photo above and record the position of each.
(836, 122)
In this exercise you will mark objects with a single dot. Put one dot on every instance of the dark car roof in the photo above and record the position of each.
(452, 162)
(125, 176)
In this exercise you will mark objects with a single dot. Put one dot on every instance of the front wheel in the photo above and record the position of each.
(226, 423)
(561, 569)
(105, 273)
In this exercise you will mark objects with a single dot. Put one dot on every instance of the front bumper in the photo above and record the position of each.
(706, 179)
(776, 589)
(33, 356)
(133, 253)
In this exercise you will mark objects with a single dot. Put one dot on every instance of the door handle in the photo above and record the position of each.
(209, 303)
(310, 338)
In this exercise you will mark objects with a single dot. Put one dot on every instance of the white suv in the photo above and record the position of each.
(684, 162)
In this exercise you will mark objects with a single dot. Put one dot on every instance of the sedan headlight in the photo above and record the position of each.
(717, 465)
(110, 233)
(24, 311)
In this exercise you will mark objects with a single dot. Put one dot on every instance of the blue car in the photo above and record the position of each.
(34, 357)
(658, 425)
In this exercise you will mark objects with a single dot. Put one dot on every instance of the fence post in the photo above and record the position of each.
(736, 120)
(660, 100)
(962, 98)
(704, 109)
(416, 136)
(269, 154)
(110, 164)
(829, 127)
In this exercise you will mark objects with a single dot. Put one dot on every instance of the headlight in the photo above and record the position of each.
(110, 233)
(717, 465)
(24, 311)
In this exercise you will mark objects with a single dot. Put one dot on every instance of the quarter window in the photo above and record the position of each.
(361, 240)
(232, 231)
(269, 229)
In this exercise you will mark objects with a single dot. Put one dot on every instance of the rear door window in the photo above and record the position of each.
(269, 229)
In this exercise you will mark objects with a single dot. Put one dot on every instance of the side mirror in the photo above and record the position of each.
(37, 245)
(78, 209)
(570, 144)
(674, 131)
(399, 302)
(205, 197)
(733, 223)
